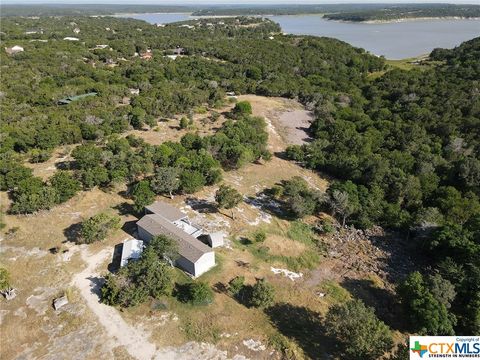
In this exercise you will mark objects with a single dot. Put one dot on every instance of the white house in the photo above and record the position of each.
(131, 250)
(161, 218)
(70, 38)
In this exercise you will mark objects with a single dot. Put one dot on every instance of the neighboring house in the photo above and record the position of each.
(163, 219)
(134, 91)
(131, 250)
(76, 30)
(147, 55)
(14, 50)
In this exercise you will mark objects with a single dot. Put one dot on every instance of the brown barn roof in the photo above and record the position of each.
(188, 247)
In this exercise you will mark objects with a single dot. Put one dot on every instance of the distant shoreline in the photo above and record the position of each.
(378, 21)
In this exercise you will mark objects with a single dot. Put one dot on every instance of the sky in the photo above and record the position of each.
(233, 2)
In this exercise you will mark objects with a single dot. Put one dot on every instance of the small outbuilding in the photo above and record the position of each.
(132, 250)
(215, 239)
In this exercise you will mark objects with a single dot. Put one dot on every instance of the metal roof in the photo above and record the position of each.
(167, 211)
(132, 249)
(188, 247)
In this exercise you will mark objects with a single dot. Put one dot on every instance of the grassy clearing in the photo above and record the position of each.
(291, 257)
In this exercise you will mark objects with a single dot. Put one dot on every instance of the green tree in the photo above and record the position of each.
(165, 247)
(97, 227)
(191, 181)
(142, 195)
(263, 294)
(356, 327)
(227, 198)
(427, 315)
(197, 293)
(65, 185)
(165, 181)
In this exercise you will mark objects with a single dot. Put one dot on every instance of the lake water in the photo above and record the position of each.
(393, 40)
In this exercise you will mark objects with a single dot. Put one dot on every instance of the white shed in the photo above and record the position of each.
(216, 239)
(131, 250)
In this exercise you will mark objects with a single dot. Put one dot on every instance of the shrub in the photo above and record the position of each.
(356, 327)
(259, 236)
(98, 227)
(197, 293)
(4, 279)
(236, 285)
(243, 108)
(39, 156)
(183, 123)
(263, 294)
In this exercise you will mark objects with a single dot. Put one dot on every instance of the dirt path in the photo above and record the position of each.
(134, 340)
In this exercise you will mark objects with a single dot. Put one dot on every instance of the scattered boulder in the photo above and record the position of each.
(9, 293)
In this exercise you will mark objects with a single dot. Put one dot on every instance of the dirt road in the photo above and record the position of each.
(134, 340)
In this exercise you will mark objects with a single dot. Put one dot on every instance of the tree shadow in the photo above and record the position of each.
(302, 325)
(220, 288)
(383, 301)
(65, 165)
(267, 203)
(201, 205)
(125, 208)
(401, 255)
(73, 232)
(96, 285)
(245, 241)
(130, 227)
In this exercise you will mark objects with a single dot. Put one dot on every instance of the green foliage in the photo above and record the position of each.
(165, 180)
(97, 227)
(4, 279)
(263, 294)
(142, 195)
(427, 314)
(300, 198)
(151, 275)
(65, 185)
(183, 123)
(39, 156)
(357, 328)
(191, 181)
(164, 247)
(242, 108)
(227, 197)
(236, 285)
(259, 236)
(197, 293)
